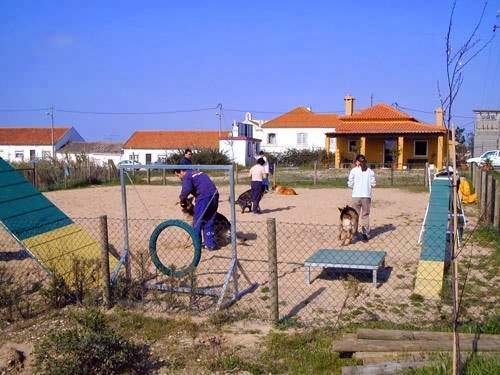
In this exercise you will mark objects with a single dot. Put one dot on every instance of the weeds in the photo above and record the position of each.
(90, 346)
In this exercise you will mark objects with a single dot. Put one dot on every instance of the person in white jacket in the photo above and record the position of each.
(362, 181)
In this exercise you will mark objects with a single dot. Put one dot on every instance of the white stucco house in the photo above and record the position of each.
(25, 144)
(98, 152)
(299, 129)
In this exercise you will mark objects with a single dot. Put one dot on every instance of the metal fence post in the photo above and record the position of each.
(273, 268)
(103, 224)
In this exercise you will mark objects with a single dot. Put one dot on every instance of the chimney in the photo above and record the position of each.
(349, 105)
(439, 116)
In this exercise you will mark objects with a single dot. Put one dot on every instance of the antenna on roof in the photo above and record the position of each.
(371, 100)
(219, 114)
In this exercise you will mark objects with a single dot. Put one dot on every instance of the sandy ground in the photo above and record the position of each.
(313, 206)
(305, 223)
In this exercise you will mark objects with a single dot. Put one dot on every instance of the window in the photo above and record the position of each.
(420, 148)
(134, 157)
(301, 139)
(353, 146)
(271, 138)
(46, 154)
(32, 154)
(19, 155)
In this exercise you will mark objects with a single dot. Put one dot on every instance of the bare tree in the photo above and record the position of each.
(456, 61)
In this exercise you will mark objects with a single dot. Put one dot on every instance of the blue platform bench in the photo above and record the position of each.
(348, 259)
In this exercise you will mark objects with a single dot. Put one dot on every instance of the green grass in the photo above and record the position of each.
(151, 329)
(297, 353)
(472, 365)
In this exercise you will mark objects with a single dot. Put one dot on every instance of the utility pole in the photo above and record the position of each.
(219, 114)
(50, 113)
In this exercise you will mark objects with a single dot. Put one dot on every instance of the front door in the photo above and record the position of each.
(389, 153)
(148, 158)
(32, 154)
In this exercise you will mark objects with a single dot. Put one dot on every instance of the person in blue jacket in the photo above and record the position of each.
(206, 195)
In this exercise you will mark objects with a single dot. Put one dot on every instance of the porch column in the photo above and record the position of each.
(337, 154)
(362, 146)
(439, 157)
(327, 151)
(400, 152)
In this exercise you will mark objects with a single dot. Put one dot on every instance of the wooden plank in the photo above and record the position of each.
(369, 358)
(366, 345)
(382, 368)
(395, 334)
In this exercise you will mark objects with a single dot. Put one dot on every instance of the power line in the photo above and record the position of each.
(26, 110)
(138, 113)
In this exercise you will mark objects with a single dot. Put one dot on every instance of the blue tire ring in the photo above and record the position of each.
(196, 243)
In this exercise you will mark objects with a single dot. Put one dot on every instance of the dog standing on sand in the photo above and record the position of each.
(348, 227)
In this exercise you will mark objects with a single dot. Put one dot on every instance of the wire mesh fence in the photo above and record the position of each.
(385, 279)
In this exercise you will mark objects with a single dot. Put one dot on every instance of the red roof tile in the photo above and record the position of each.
(174, 139)
(301, 117)
(378, 112)
(30, 136)
(386, 127)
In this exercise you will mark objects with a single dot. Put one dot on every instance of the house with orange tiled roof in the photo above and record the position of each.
(300, 128)
(146, 147)
(387, 137)
(31, 143)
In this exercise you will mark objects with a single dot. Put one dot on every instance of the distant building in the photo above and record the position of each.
(25, 144)
(486, 130)
(146, 147)
(98, 152)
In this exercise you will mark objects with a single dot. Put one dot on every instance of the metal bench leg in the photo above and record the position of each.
(375, 277)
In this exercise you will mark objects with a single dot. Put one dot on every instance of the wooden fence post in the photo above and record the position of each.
(484, 176)
(489, 199)
(149, 176)
(103, 224)
(426, 173)
(273, 268)
(496, 213)
(163, 177)
(315, 173)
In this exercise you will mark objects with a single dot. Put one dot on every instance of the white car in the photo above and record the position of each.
(493, 156)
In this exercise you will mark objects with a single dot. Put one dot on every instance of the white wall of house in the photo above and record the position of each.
(277, 140)
(13, 153)
(141, 154)
(239, 150)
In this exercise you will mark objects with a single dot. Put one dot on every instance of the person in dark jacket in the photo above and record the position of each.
(200, 185)
(186, 160)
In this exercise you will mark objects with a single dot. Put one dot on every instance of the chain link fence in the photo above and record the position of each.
(404, 293)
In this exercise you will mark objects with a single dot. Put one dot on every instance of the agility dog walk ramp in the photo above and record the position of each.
(49, 236)
(434, 239)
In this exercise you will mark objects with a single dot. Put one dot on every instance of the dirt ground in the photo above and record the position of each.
(314, 206)
(305, 223)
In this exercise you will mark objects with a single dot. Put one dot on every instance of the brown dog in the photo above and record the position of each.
(348, 224)
(283, 190)
(222, 225)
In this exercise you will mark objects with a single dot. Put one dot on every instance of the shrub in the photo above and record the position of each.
(297, 158)
(89, 346)
(206, 156)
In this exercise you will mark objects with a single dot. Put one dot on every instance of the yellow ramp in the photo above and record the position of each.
(429, 280)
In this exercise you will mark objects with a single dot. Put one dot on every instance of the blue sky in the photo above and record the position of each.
(268, 56)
